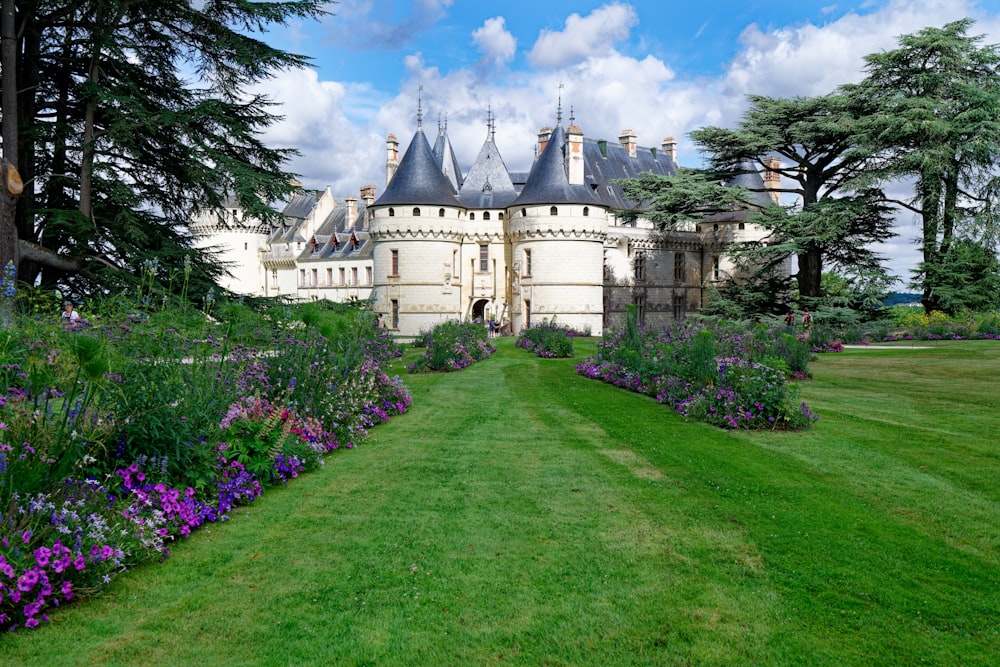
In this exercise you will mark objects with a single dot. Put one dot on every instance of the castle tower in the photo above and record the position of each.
(417, 227)
(557, 230)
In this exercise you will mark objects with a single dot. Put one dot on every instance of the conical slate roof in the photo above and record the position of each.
(488, 184)
(444, 156)
(547, 182)
(418, 179)
(751, 179)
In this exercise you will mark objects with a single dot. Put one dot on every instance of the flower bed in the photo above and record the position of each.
(547, 340)
(120, 436)
(722, 376)
(451, 346)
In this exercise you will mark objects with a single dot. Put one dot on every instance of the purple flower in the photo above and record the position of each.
(27, 581)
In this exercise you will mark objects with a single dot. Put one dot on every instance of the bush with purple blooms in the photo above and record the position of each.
(451, 346)
(117, 438)
(720, 375)
(547, 340)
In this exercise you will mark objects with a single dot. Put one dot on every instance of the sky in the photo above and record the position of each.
(658, 67)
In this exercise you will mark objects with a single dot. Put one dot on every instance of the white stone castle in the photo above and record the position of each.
(517, 248)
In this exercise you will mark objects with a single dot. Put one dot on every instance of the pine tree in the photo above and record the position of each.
(832, 220)
(931, 112)
(130, 115)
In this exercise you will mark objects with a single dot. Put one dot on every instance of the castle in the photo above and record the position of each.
(517, 248)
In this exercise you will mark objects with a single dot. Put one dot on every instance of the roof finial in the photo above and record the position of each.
(441, 128)
(572, 119)
(559, 106)
(420, 108)
(490, 124)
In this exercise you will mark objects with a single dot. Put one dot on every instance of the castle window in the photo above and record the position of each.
(527, 262)
(343, 276)
(329, 277)
(484, 257)
(716, 273)
(743, 225)
(472, 216)
(640, 308)
(245, 246)
(640, 266)
(395, 263)
(524, 213)
(368, 275)
(392, 212)
(500, 214)
(394, 317)
(678, 306)
(354, 275)
(554, 210)
(440, 212)
(315, 277)
(715, 227)
(416, 212)
(302, 277)
(486, 215)
(586, 211)
(679, 267)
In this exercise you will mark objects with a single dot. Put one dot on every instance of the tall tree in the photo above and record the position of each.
(131, 115)
(931, 111)
(818, 164)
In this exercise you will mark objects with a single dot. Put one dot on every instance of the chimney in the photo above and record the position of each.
(669, 147)
(392, 157)
(368, 194)
(352, 209)
(574, 156)
(772, 177)
(544, 135)
(628, 140)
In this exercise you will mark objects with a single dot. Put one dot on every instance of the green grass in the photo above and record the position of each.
(520, 514)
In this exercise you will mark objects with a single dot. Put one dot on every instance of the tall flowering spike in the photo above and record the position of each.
(9, 280)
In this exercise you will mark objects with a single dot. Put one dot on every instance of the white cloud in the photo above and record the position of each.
(584, 37)
(813, 60)
(335, 150)
(494, 41)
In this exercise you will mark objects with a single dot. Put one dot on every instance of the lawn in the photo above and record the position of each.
(520, 514)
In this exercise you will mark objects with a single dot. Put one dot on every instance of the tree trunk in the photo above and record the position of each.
(929, 191)
(8, 107)
(810, 274)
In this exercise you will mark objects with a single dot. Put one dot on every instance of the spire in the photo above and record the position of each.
(491, 123)
(559, 107)
(572, 119)
(420, 109)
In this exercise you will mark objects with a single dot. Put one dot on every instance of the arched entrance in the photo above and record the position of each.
(479, 309)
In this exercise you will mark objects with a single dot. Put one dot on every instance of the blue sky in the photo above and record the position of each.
(658, 67)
